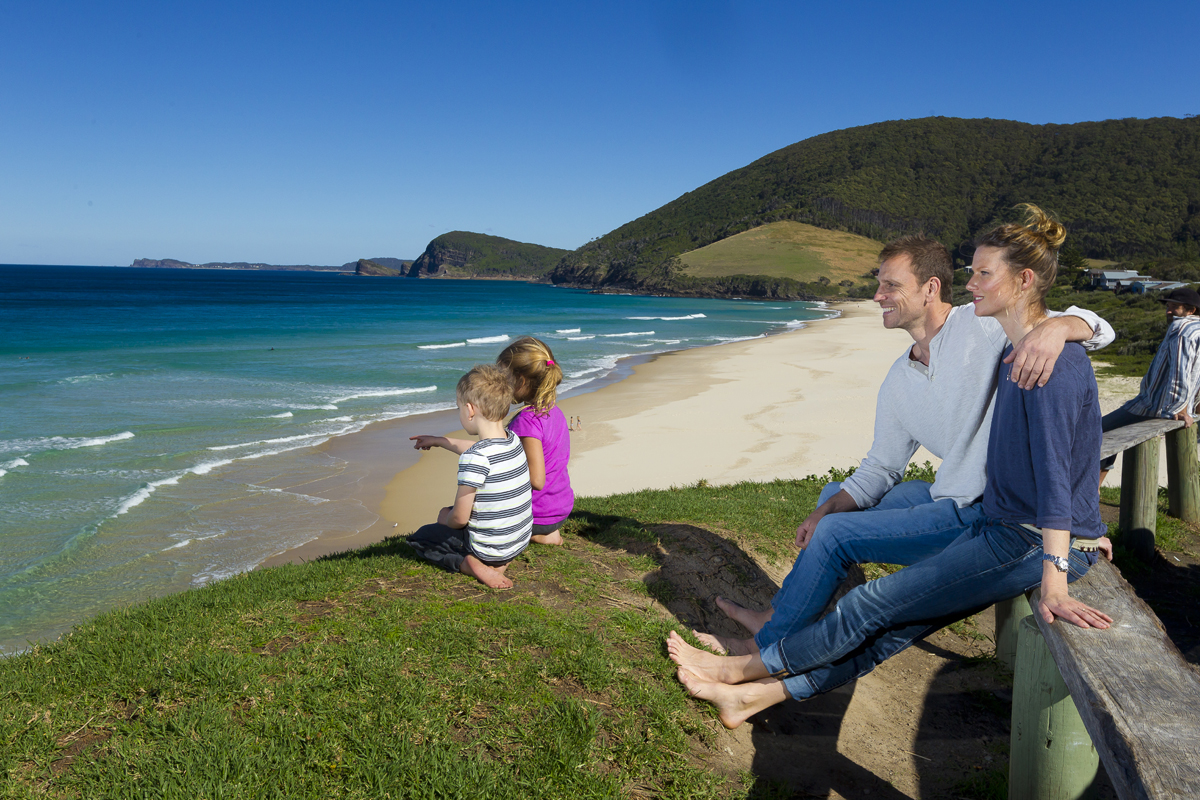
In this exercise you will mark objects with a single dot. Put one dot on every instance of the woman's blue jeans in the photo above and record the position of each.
(904, 528)
(988, 562)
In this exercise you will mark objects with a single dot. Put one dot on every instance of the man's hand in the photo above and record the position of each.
(842, 501)
(805, 531)
(1186, 417)
(1033, 358)
(1104, 545)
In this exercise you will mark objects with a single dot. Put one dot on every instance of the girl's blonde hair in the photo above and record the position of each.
(1033, 245)
(536, 371)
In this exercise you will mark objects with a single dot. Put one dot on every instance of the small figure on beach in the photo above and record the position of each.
(543, 431)
(1049, 432)
(1169, 387)
(571, 424)
(490, 522)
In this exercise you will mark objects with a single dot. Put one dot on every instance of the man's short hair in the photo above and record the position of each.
(929, 258)
(489, 388)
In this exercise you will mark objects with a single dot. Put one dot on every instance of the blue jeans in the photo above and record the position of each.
(904, 528)
(988, 562)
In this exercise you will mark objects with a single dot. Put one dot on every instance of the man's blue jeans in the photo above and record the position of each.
(904, 528)
(988, 562)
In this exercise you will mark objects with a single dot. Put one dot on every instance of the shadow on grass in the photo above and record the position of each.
(794, 744)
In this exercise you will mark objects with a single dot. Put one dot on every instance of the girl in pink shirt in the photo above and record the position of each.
(544, 434)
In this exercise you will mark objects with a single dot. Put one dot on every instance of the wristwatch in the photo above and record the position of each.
(1059, 562)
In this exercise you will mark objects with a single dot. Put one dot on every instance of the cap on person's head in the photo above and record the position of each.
(1184, 295)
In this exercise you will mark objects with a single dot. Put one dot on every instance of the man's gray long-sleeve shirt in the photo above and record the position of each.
(945, 407)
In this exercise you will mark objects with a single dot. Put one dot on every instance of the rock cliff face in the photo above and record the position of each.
(462, 254)
(374, 269)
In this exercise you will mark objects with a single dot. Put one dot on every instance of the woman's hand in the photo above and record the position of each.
(1063, 606)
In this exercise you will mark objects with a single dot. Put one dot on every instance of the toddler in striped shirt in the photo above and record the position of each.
(491, 520)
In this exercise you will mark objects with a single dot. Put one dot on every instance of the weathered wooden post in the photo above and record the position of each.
(1139, 497)
(1183, 475)
(1052, 757)
(1009, 614)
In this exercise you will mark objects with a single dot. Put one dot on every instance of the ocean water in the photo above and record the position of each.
(158, 429)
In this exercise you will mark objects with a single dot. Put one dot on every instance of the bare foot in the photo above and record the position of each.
(492, 577)
(726, 669)
(750, 620)
(554, 537)
(735, 704)
(727, 645)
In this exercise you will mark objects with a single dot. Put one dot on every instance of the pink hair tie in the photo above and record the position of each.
(550, 361)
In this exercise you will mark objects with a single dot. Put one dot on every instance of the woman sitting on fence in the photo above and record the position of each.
(1041, 497)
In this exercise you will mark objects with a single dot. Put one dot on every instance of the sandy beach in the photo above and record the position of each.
(783, 406)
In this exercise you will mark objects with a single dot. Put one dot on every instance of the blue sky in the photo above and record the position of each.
(321, 132)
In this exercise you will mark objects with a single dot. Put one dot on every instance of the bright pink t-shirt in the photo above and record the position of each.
(554, 501)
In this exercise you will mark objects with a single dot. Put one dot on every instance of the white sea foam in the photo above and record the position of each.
(3, 472)
(281, 440)
(177, 545)
(668, 319)
(567, 330)
(143, 494)
(630, 333)
(87, 378)
(489, 339)
(440, 346)
(60, 442)
(16, 462)
(339, 419)
(579, 338)
(383, 393)
(284, 415)
(734, 338)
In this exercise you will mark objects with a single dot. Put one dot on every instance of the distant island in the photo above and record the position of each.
(171, 263)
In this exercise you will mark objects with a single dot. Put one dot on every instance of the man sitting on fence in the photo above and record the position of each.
(938, 394)
(1169, 386)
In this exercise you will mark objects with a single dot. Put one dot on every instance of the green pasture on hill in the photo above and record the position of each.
(787, 249)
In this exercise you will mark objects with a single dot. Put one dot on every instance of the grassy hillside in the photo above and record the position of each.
(1124, 188)
(462, 254)
(786, 250)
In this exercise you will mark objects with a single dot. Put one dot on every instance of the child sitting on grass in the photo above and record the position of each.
(544, 434)
(491, 520)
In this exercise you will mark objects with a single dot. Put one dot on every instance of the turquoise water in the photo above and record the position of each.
(159, 427)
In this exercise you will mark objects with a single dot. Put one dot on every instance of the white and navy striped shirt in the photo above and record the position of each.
(1170, 384)
(502, 516)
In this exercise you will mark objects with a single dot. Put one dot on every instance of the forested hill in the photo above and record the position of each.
(1125, 189)
(464, 254)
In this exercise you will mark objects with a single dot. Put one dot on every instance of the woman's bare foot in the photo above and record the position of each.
(492, 577)
(735, 704)
(726, 669)
(750, 620)
(727, 645)
(554, 537)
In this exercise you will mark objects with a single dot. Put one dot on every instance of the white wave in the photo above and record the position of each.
(177, 545)
(440, 346)
(489, 339)
(284, 415)
(209, 466)
(143, 494)
(16, 462)
(579, 338)
(668, 341)
(383, 393)
(308, 498)
(3, 472)
(87, 378)
(668, 319)
(282, 440)
(339, 419)
(205, 577)
(728, 339)
(567, 330)
(61, 442)
(630, 333)
(325, 407)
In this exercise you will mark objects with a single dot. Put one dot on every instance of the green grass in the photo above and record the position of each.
(787, 250)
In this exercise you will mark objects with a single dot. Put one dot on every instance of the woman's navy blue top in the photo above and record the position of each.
(1043, 460)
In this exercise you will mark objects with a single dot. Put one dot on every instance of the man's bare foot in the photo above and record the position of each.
(554, 537)
(750, 620)
(727, 645)
(492, 577)
(735, 704)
